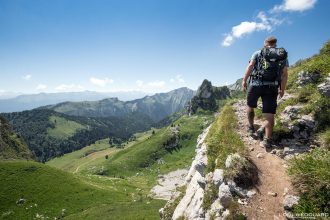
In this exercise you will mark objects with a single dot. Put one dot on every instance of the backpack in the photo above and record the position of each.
(270, 64)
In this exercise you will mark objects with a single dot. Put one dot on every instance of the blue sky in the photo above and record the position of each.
(147, 45)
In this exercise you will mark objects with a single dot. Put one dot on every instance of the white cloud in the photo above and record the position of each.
(69, 88)
(139, 83)
(294, 5)
(266, 22)
(178, 78)
(100, 82)
(247, 27)
(27, 77)
(150, 86)
(156, 84)
(41, 87)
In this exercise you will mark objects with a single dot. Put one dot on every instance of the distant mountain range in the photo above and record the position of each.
(157, 106)
(53, 130)
(31, 101)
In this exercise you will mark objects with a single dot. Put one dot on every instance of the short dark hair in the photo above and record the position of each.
(271, 40)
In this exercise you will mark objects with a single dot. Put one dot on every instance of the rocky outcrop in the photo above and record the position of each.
(206, 97)
(305, 77)
(167, 185)
(190, 205)
(301, 130)
(324, 88)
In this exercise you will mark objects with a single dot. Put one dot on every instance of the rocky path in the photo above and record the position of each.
(267, 203)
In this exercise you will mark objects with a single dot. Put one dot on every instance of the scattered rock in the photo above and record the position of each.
(202, 183)
(251, 193)
(21, 201)
(305, 77)
(225, 196)
(290, 201)
(290, 113)
(324, 88)
(216, 208)
(242, 201)
(274, 194)
(260, 155)
(218, 177)
(286, 190)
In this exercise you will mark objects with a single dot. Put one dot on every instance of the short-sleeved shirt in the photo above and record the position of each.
(255, 57)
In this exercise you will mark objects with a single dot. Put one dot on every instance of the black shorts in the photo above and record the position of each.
(268, 94)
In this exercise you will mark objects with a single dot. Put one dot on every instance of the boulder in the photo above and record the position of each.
(305, 77)
(224, 195)
(21, 201)
(303, 127)
(290, 201)
(217, 177)
(290, 113)
(324, 88)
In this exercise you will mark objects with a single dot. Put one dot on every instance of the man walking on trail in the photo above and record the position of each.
(267, 72)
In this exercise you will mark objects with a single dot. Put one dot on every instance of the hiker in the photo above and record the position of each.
(267, 72)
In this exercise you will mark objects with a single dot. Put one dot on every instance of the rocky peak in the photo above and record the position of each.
(206, 97)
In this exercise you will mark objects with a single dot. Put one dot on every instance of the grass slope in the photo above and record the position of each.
(63, 128)
(92, 155)
(52, 193)
(146, 153)
(310, 171)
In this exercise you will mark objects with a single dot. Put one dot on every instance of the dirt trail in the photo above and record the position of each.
(272, 175)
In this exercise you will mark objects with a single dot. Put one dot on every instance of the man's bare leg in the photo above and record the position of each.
(269, 125)
(250, 114)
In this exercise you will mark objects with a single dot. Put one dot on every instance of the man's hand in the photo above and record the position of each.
(281, 93)
(244, 85)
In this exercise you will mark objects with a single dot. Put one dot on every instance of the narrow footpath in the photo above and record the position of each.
(274, 184)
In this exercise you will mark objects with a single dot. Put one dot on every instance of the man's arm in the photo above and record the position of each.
(248, 72)
(284, 80)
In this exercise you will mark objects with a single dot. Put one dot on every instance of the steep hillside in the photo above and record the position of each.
(32, 190)
(11, 145)
(157, 107)
(50, 134)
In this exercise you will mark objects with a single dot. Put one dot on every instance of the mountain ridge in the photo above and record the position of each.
(157, 106)
(31, 101)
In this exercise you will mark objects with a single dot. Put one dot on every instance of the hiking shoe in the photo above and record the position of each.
(251, 130)
(267, 144)
(260, 133)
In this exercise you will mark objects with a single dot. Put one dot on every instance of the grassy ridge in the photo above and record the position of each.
(92, 155)
(223, 139)
(146, 153)
(63, 128)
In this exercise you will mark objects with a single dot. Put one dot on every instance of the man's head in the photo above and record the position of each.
(270, 41)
